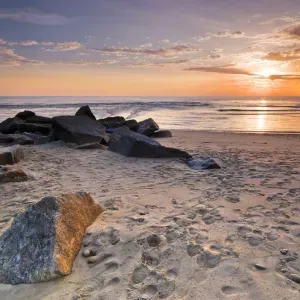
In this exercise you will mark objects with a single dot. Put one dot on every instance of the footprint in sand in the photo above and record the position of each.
(230, 290)
(139, 274)
(209, 259)
(149, 292)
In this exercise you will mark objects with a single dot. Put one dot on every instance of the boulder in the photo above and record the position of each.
(147, 127)
(112, 122)
(13, 125)
(39, 120)
(78, 130)
(132, 125)
(43, 242)
(85, 111)
(23, 115)
(11, 155)
(91, 146)
(162, 134)
(15, 139)
(12, 175)
(131, 144)
(203, 164)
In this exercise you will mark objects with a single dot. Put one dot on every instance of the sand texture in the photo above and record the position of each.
(170, 232)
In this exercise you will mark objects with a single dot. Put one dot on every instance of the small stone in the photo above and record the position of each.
(294, 277)
(284, 251)
(260, 267)
(92, 259)
(153, 240)
(86, 253)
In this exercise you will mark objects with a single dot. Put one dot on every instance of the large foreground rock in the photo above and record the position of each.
(11, 155)
(79, 130)
(113, 122)
(85, 111)
(131, 144)
(147, 127)
(43, 242)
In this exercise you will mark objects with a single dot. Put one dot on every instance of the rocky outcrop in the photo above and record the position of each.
(79, 130)
(43, 242)
(162, 134)
(15, 139)
(85, 111)
(203, 164)
(132, 125)
(11, 155)
(112, 122)
(147, 127)
(13, 125)
(39, 120)
(131, 144)
(23, 115)
(12, 175)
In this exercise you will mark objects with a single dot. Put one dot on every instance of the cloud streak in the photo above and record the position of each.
(228, 69)
(34, 16)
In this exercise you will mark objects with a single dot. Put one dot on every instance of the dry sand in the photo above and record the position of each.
(213, 226)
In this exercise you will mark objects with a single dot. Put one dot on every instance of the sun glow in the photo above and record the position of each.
(267, 72)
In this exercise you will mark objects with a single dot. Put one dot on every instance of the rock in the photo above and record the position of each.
(79, 130)
(11, 155)
(162, 134)
(85, 111)
(92, 259)
(284, 251)
(86, 253)
(202, 164)
(147, 127)
(132, 125)
(294, 277)
(15, 139)
(39, 139)
(13, 125)
(39, 120)
(260, 267)
(91, 146)
(43, 242)
(131, 144)
(23, 115)
(12, 175)
(112, 122)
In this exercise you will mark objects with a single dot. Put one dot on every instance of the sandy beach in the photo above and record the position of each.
(170, 232)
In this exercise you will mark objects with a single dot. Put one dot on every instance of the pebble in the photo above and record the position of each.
(92, 259)
(153, 240)
(86, 253)
(260, 267)
(284, 251)
(294, 277)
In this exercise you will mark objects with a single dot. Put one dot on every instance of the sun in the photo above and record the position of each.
(267, 72)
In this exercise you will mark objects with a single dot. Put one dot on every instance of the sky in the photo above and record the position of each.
(150, 47)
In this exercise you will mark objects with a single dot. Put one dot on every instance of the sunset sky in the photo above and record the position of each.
(153, 47)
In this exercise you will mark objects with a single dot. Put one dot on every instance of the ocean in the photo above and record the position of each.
(274, 115)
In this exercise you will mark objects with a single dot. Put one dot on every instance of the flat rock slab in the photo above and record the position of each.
(131, 144)
(15, 125)
(43, 242)
(79, 130)
(203, 164)
(11, 155)
(12, 175)
(15, 139)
